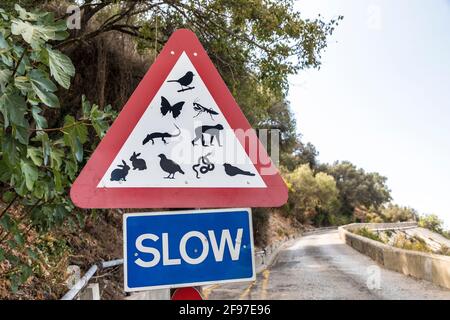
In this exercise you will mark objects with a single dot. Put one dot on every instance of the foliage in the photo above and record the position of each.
(38, 164)
(358, 188)
(365, 232)
(310, 194)
(395, 213)
(411, 243)
(260, 220)
(432, 222)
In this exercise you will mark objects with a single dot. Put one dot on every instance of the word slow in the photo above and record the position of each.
(207, 241)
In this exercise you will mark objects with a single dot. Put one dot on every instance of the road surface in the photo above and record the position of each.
(321, 266)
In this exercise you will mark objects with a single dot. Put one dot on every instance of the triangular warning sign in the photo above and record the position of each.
(181, 141)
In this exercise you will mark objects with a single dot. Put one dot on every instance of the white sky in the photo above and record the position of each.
(382, 96)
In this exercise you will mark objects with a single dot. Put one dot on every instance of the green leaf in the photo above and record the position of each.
(13, 108)
(71, 168)
(3, 43)
(61, 67)
(38, 33)
(35, 155)
(86, 106)
(14, 283)
(21, 132)
(7, 223)
(58, 181)
(25, 273)
(9, 148)
(30, 33)
(41, 122)
(30, 172)
(56, 156)
(75, 134)
(46, 147)
(4, 15)
(32, 254)
(5, 74)
(25, 15)
(7, 60)
(8, 196)
(44, 88)
(18, 238)
(22, 83)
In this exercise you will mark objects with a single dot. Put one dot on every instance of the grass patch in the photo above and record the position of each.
(364, 232)
(414, 243)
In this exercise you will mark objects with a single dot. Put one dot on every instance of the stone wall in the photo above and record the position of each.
(431, 267)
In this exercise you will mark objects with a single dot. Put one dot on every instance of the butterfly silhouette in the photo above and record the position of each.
(175, 109)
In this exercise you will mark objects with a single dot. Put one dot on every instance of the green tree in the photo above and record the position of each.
(357, 187)
(431, 222)
(395, 213)
(310, 195)
(38, 163)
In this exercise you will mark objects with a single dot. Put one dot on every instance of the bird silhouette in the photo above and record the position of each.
(169, 166)
(233, 171)
(185, 81)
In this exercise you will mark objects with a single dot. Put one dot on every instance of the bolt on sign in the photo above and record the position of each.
(181, 141)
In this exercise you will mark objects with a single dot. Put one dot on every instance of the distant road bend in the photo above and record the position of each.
(322, 266)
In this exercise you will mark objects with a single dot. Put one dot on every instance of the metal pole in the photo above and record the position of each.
(72, 293)
(80, 284)
(112, 263)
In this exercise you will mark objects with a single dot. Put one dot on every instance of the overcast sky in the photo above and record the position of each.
(382, 96)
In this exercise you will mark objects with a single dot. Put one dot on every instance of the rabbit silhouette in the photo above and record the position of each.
(120, 173)
(138, 163)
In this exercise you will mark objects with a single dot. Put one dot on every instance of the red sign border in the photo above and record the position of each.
(84, 192)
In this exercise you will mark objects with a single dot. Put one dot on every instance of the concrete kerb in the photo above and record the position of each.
(431, 267)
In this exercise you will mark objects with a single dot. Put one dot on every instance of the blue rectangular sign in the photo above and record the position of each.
(187, 248)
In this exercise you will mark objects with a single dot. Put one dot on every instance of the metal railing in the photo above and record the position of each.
(83, 281)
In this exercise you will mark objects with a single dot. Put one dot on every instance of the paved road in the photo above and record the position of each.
(321, 266)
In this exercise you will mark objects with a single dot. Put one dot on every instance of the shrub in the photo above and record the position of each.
(311, 195)
(414, 243)
(368, 234)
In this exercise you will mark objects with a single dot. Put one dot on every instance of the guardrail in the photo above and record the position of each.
(432, 267)
(84, 280)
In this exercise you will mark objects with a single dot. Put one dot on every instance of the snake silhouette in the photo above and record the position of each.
(206, 167)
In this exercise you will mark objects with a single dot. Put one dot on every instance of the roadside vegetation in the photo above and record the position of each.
(61, 89)
(401, 240)
(365, 232)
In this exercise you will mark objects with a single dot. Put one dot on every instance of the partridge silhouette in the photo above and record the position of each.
(169, 166)
(233, 171)
(185, 80)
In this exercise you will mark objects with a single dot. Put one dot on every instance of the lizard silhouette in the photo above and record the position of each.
(161, 135)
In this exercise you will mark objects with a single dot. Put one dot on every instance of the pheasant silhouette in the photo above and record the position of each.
(169, 166)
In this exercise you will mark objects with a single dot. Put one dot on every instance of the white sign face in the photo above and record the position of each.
(182, 140)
